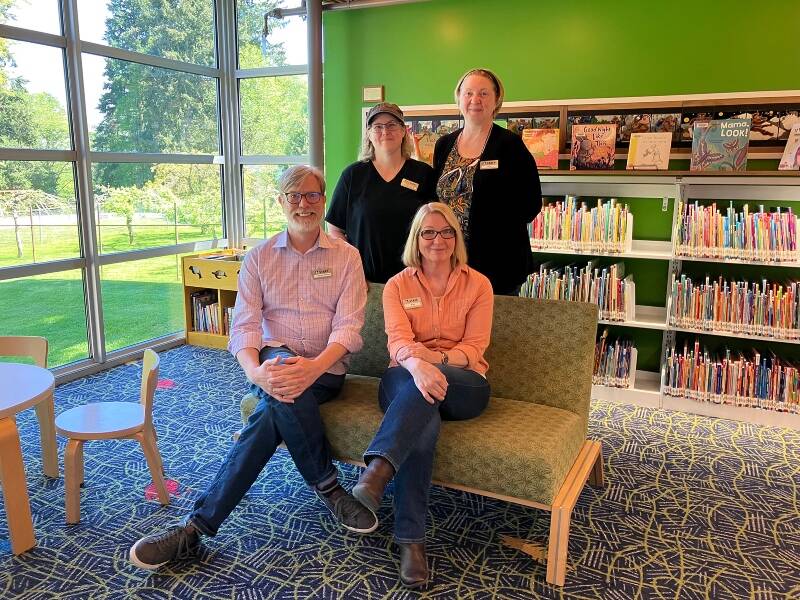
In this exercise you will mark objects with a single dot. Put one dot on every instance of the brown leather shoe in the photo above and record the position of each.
(372, 483)
(413, 565)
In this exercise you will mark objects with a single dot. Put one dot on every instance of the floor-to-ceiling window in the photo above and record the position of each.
(113, 160)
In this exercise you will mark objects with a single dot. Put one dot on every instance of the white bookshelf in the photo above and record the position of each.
(664, 189)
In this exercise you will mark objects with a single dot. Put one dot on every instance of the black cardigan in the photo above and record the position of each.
(504, 201)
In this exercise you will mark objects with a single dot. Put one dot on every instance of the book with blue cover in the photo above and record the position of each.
(720, 145)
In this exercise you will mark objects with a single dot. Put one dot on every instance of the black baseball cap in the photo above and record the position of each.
(385, 107)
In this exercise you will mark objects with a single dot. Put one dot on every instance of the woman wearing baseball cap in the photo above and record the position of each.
(376, 198)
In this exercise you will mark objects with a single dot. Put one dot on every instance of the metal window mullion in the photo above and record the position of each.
(230, 128)
(154, 157)
(20, 34)
(43, 155)
(41, 268)
(159, 251)
(83, 170)
(147, 59)
(280, 71)
(315, 116)
(274, 159)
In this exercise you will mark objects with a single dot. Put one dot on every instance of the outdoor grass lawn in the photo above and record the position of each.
(141, 299)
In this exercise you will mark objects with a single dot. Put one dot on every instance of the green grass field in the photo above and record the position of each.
(141, 299)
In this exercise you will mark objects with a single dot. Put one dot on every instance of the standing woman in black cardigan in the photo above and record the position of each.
(487, 176)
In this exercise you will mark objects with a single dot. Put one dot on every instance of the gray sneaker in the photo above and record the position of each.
(177, 543)
(353, 515)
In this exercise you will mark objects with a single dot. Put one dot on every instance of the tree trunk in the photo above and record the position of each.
(17, 235)
(129, 223)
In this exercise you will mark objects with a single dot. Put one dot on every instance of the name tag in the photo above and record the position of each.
(407, 183)
(321, 273)
(489, 164)
(409, 303)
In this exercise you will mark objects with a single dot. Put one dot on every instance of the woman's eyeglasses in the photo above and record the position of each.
(387, 127)
(448, 233)
(311, 197)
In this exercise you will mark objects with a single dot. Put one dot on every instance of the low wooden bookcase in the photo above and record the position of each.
(219, 274)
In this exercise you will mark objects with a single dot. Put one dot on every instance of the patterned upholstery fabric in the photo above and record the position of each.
(523, 445)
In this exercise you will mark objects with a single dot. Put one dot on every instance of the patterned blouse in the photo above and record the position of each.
(454, 187)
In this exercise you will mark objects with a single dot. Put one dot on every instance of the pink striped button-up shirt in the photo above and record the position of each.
(302, 301)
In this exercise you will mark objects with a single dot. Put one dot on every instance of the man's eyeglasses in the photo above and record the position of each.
(311, 197)
(387, 127)
(448, 233)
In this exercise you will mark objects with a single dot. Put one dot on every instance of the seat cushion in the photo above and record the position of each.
(514, 448)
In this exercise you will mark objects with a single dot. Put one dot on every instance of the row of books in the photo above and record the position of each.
(765, 309)
(568, 224)
(205, 313)
(753, 381)
(614, 363)
(704, 231)
(607, 287)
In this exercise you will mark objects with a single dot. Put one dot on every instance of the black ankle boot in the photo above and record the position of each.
(373, 481)
(413, 565)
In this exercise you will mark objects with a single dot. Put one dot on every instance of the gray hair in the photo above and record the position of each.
(294, 176)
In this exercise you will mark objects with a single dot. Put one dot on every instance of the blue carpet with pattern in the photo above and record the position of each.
(693, 508)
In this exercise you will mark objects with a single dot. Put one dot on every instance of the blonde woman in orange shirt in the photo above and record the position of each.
(438, 314)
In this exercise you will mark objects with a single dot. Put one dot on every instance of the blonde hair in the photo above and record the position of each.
(411, 254)
(367, 152)
(294, 176)
(496, 83)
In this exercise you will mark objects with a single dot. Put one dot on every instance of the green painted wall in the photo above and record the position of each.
(558, 49)
(552, 49)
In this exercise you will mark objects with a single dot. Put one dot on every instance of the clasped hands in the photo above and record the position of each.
(285, 378)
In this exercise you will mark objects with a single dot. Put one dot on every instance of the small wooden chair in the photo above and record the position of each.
(36, 348)
(112, 420)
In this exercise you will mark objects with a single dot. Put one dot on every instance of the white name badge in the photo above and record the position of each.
(489, 164)
(407, 183)
(321, 273)
(409, 303)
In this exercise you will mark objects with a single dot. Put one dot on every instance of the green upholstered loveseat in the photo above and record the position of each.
(530, 445)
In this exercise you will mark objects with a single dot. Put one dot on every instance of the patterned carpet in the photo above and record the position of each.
(693, 508)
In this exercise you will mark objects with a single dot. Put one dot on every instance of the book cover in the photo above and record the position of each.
(791, 154)
(720, 145)
(519, 124)
(543, 145)
(593, 146)
(649, 151)
(635, 123)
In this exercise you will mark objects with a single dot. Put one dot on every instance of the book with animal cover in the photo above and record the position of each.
(720, 145)
(593, 146)
(543, 145)
(649, 151)
(791, 154)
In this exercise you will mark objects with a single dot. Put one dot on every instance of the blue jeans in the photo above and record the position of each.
(298, 424)
(408, 434)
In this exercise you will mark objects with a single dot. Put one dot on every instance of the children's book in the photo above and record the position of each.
(543, 145)
(519, 124)
(649, 151)
(791, 154)
(720, 145)
(593, 146)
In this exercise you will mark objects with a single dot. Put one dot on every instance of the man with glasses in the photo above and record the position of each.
(299, 312)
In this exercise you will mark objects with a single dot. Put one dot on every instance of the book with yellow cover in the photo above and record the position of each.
(543, 145)
(649, 151)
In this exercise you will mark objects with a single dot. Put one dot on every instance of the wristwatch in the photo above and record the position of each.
(445, 358)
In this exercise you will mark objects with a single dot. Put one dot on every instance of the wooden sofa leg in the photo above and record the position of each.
(557, 546)
(596, 478)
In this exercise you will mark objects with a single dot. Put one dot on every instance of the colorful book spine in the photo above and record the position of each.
(705, 232)
(605, 228)
(765, 309)
(614, 362)
(753, 381)
(607, 287)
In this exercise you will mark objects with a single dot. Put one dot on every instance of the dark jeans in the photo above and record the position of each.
(408, 434)
(298, 424)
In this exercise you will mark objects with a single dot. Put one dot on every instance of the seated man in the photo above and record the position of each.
(299, 311)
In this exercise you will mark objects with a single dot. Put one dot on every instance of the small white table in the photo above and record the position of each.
(21, 387)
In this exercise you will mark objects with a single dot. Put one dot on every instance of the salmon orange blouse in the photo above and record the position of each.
(460, 320)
